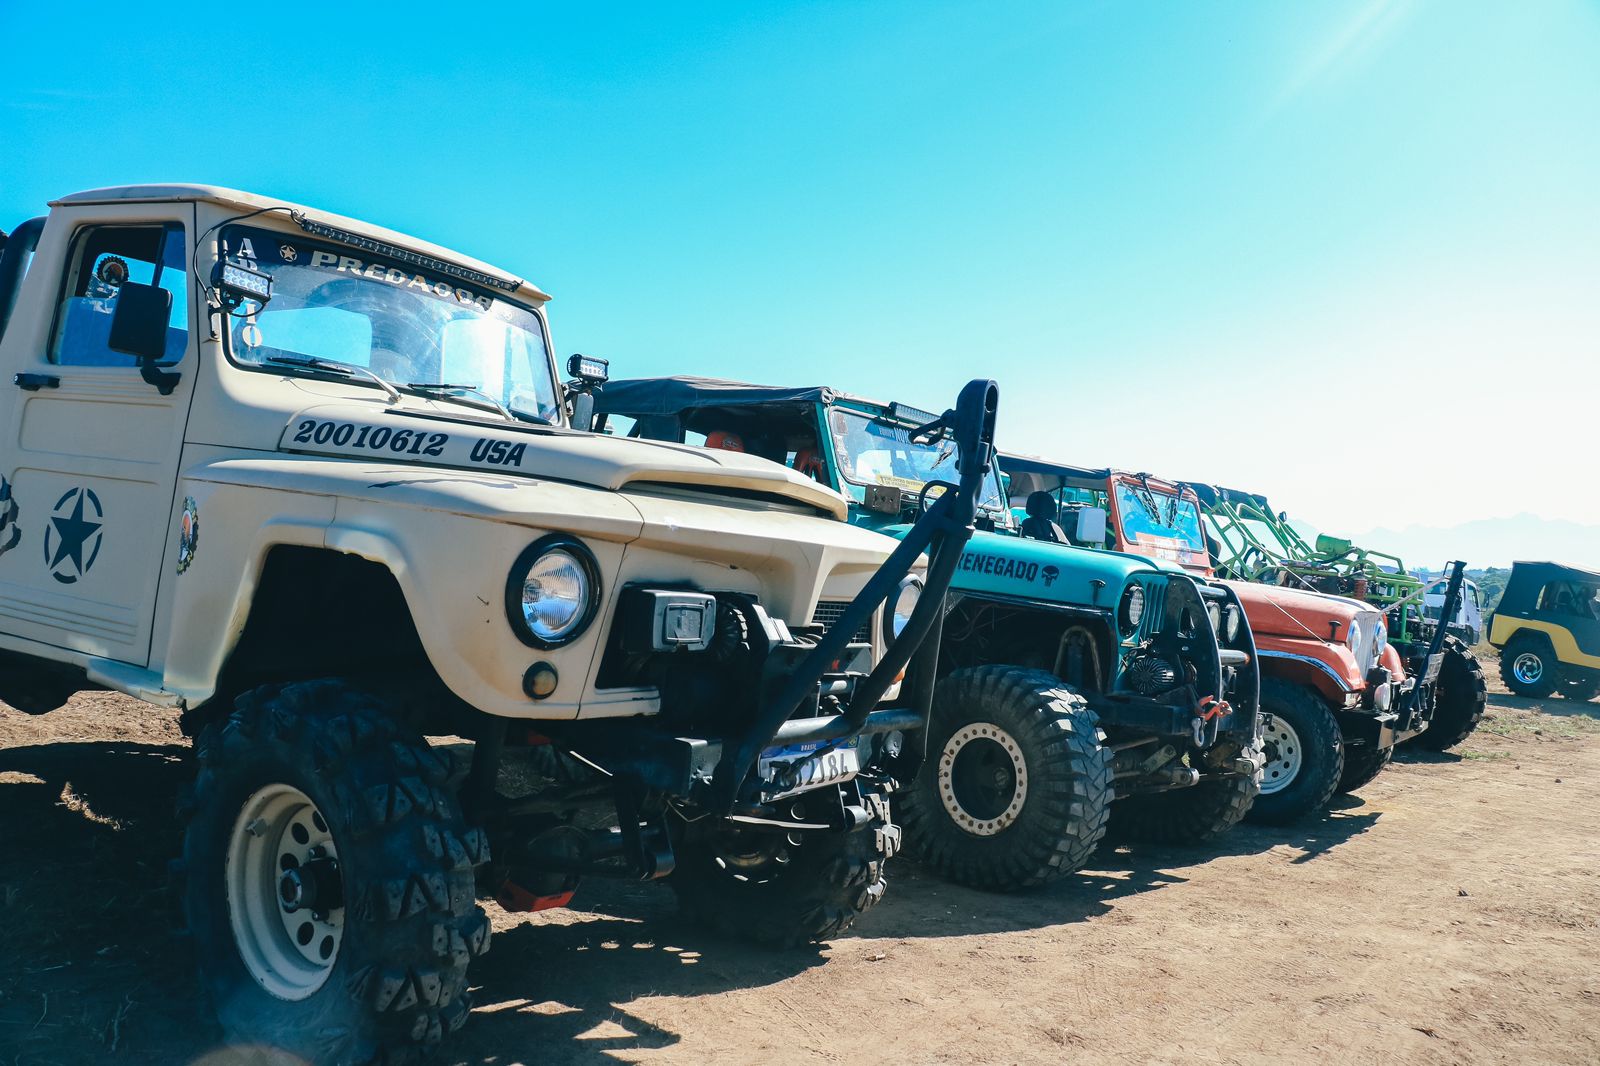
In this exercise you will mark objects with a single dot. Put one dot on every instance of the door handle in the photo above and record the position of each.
(35, 382)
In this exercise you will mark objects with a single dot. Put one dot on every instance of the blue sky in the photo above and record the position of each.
(1344, 253)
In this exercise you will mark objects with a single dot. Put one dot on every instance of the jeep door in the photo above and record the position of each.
(90, 449)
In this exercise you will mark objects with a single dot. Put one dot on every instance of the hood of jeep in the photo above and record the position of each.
(1001, 564)
(427, 437)
(1279, 611)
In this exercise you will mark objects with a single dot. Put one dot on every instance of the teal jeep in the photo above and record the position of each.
(1066, 679)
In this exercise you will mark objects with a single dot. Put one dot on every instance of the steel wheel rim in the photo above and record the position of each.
(1528, 668)
(1000, 753)
(284, 892)
(1284, 756)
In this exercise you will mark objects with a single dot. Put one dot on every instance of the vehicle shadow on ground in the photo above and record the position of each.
(91, 967)
(922, 904)
(1347, 817)
(554, 989)
(1412, 755)
(1556, 705)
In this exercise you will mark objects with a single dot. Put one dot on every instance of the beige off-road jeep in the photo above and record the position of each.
(313, 482)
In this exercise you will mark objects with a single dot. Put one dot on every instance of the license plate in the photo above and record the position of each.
(840, 764)
(1431, 672)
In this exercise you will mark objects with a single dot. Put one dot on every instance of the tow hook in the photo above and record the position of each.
(1210, 707)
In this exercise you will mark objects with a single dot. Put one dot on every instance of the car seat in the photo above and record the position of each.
(809, 463)
(1040, 523)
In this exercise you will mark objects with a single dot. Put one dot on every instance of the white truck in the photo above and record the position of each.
(312, 482)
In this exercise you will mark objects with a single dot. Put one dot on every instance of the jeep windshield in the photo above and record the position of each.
(876, 451)
(1150, 515)
(433, 335)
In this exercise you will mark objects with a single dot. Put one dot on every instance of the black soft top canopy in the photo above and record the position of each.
(1089, 476)
(770, 421)
(1547, 571)
(1529, 579)
(645, 397)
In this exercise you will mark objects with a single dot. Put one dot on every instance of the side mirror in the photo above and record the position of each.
(1091, 526)
(139, 323)
(139, 329)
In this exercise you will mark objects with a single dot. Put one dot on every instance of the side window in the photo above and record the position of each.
(1560, 597)
(102, 259)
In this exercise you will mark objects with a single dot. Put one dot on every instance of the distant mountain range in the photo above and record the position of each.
(1490, 542)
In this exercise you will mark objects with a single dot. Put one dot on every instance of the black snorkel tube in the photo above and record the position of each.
(15, 252)
(1418, 699)
(942, 532)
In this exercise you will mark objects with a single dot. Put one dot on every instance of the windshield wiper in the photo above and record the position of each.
(333, 366)
(447, 387)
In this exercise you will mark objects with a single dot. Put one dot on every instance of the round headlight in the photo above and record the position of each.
(1382, 640)
(1132, 608)
(552, 592)
(1231, 622)
(1214, 613)
(905, 601)
(1352, 638)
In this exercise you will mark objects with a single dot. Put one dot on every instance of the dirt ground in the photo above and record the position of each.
(1448, 914)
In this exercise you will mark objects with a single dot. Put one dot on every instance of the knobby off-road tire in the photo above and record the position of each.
(323, 760)
(756, 885)
(1305, 754)
(1362, 763)
(1530, 668)
(1459, 704)
(1016, 789)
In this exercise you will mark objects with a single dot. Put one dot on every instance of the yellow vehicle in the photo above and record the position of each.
(1547, 628)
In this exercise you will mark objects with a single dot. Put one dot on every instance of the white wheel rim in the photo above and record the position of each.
(975, 822)
(289, 947)
(1528, 668)
(1284, 756)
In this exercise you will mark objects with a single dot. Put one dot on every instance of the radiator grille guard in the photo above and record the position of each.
(829, 612)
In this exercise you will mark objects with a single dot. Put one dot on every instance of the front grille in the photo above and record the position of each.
(830, 611)
(1155, 609)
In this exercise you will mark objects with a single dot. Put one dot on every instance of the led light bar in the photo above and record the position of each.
(589, 368)
(242, 282)
(901, 412)
(405, 255)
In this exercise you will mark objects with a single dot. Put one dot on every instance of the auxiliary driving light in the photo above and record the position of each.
(240, 283)
(589, 369)
(1132, 609)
